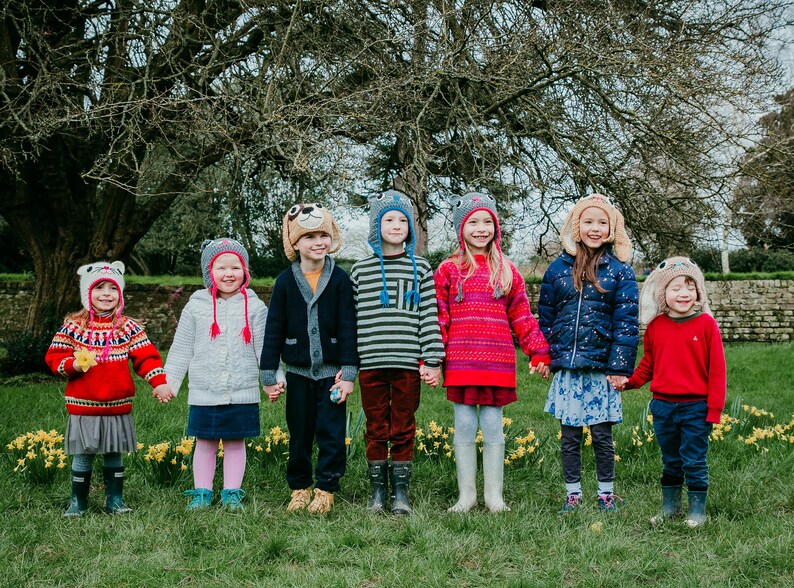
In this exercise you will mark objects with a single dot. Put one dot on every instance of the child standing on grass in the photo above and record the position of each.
(482, 301)
(588, 312)
(217, 343)
(399, 344)
(685, 362)
(312, 327)
(93, 349)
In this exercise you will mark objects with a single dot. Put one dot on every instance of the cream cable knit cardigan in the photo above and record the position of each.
(223, 370)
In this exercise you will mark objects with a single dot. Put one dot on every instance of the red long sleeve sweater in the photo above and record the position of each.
(107, 388)
(477, 331)
(684, 361)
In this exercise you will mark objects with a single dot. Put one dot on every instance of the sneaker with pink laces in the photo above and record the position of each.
(609, 502)
(572, 502)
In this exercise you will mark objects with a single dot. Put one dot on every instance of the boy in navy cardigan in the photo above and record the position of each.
(311, 325)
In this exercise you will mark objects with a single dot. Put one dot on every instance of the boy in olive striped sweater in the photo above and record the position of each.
(399, 344)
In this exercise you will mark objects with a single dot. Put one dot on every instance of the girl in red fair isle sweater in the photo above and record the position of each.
(482, 301)
(93, 349)
(685, 363)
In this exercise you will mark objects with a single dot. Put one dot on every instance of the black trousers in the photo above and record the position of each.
(571, 450)
(312, 416)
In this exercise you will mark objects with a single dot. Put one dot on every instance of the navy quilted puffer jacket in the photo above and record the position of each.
(591, 330)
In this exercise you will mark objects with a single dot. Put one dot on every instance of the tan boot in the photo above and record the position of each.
(322, 503)
(300, 499)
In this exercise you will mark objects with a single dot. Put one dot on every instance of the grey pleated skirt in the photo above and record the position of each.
(100, 434)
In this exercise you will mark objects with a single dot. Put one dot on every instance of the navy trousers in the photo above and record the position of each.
(683, 436)
(312, 416)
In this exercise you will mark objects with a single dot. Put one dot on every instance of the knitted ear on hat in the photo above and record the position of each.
(569, 235)
(302, 219)
(393, 200)
(652, 300)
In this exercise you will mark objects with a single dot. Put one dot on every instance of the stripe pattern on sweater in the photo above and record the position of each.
(405, 332)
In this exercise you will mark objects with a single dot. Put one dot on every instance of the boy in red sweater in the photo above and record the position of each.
(685, 362)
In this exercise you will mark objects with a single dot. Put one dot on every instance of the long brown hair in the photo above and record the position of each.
(585, 267)
(467, 263)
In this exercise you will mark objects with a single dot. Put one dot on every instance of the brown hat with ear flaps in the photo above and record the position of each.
(302, 219)
(621, 244)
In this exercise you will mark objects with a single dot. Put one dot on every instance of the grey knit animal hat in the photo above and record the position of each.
(392, 200)
(569, 235)
(652, 299)
(210, 251)
(462, 208)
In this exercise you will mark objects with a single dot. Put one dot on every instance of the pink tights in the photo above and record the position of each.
(204, 462)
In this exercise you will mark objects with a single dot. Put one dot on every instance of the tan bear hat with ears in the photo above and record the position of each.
(652, 299)
(621, 244)
(303, 219)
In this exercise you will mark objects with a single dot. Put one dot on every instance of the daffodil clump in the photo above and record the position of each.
(38, 456)
(272, 447)
(523, 450)
(434, 442)
(168, 462)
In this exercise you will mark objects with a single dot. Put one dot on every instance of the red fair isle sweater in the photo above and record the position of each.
(477, 333)
(685, 362)
(106, 388)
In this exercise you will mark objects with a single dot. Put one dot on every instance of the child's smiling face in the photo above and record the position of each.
(593, 227)
(228, 274)
(680, 295)
(478, 231)
(105, 296)
(394, 229)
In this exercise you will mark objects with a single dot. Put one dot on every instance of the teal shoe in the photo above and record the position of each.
(232, 498)
(572, 502)
(201, 498)
(609, 502)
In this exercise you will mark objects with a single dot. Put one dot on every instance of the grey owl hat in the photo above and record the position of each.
(380, 205)
(210, 251)
(462, 208)
(652, 299)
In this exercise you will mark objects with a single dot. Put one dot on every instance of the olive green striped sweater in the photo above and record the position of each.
(402, 334)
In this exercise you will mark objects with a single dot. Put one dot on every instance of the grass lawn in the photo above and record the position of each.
(749, 540)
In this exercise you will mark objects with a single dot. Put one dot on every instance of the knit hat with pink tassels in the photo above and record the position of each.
(462, 208)
(210, 251)
(92, 274)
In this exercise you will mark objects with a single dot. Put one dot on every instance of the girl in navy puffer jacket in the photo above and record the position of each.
(589, 315)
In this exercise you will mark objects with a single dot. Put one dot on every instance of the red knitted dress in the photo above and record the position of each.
(480, 360)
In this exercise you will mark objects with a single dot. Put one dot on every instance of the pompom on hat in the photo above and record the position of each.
(211, 249)
(569, 236)
(302, 219)
(652, 299)
(92, 274)
(392, 200)
(462, 208)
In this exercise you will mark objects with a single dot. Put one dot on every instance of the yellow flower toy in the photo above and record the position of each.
(85, 359)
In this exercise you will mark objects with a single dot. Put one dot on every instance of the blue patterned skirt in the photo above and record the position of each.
(582, 398)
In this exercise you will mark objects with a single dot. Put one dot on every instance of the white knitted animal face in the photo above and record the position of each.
(98, 271)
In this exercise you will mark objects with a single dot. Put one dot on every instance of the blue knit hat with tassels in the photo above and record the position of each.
(380, 205)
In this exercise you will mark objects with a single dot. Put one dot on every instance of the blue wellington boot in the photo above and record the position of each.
(671, 505)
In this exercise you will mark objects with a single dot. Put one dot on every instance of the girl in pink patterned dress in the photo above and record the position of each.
(482, 301)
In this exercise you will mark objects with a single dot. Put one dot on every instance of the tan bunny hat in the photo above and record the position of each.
(621, 244)
(303, 219)
(652, 300)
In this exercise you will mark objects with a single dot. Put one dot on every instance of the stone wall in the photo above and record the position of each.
(751, 310)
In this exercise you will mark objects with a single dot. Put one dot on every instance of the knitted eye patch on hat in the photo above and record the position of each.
(569, 236)
(462, 208)
(302, 219)
(210, 251)
(92, 274)
(652, 299)
(392, 200)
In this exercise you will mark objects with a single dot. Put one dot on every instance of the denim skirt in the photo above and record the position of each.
(226, 421)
